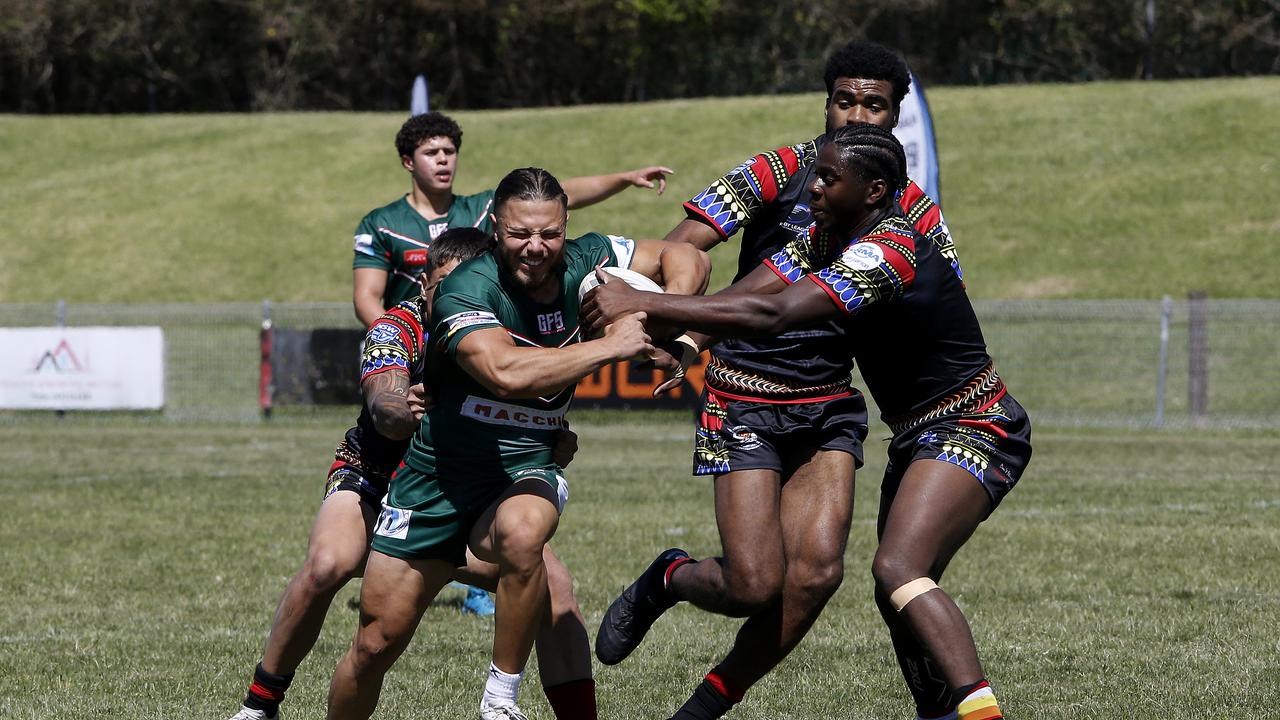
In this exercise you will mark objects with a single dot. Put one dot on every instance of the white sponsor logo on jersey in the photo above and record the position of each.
(551, 323)
(364, 245)
(393, 522)
(469, 318)
(863, 256)
(624, 248)
(499, 413)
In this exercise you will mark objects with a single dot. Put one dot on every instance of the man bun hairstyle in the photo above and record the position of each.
(874, 152)
(870, 61)
(420, 128)
(530, 183)
(461, 244)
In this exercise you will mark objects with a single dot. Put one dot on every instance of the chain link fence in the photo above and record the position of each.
(1087, 363)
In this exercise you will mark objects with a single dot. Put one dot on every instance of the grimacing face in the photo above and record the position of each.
(861, 100)
(433, 165)
(531, 237)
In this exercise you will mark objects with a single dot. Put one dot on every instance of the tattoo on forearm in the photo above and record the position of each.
(386, 395)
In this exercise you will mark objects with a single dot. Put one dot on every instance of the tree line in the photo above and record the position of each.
(91, 56)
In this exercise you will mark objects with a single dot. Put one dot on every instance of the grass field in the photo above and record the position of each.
(1131, 575)
(1130, 190)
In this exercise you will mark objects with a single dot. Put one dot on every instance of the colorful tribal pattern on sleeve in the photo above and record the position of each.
(926, 216)
(735, 199)
(800, 256)
(394, 341)
(876, 267)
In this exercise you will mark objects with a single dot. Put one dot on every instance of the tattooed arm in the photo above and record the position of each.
(387, 396)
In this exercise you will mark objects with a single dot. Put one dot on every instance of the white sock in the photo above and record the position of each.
(500, 687)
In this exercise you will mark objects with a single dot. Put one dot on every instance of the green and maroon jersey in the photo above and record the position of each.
(397, 239)
(471, 434)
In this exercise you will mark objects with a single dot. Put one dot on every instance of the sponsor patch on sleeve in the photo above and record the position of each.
(468, 319)
(624, 248)
(863, 256)
(383, 332)
(364, 244)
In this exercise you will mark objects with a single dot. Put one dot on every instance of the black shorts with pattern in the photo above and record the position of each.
(993, 444)
(351, 470)
(737, 433)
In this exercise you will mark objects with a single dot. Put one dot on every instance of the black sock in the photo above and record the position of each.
(706, 703)
(267, 691)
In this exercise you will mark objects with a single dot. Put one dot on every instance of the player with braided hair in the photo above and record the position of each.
(781, 427)
(960, 441)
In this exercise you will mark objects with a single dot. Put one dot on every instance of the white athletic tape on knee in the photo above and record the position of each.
(912, 590)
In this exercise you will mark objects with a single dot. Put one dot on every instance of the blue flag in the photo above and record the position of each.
(418, 104)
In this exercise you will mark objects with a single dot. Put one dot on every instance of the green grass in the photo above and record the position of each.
(1085, 191)
(1132, 575)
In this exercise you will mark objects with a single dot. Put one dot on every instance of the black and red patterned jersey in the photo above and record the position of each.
(909, 321)
(394, 342)
(767, 197)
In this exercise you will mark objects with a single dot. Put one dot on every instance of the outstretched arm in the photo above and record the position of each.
(679, 268)
(509, 371)
(762, 311)
(591, 189)
(695, 233)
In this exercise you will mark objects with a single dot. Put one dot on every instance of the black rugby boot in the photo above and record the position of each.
(630, 616)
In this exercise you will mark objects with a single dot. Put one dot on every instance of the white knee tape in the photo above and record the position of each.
(912, 590)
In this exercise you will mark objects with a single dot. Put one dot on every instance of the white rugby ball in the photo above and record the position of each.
(630, 277)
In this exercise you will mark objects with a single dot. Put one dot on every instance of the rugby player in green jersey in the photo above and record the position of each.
(357, 482)
(392, 243)
(505, 357)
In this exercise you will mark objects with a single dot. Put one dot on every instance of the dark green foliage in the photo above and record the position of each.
(216, 55)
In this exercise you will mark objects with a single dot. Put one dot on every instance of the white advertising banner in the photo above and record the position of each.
(82, 368)
(915, 132)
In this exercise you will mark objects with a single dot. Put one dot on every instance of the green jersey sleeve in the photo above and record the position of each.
(460, 309)
(371, 247)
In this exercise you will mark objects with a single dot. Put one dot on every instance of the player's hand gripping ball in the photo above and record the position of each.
(630, 277)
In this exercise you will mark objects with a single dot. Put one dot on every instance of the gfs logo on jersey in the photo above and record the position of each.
(415, 257)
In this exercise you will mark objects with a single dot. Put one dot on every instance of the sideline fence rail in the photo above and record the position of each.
(1089, 363)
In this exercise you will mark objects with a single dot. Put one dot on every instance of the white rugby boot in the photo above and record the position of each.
(252, 714)
(501, 710)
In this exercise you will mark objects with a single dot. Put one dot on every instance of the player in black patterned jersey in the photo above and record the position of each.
(781, 429)
(960, 440)
(364, 461)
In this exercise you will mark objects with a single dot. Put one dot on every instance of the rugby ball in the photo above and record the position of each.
(630, 277)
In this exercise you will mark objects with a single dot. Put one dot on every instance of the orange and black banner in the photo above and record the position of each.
(627, 385)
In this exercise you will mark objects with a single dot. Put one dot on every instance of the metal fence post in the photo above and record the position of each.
(1198, 355)
(1166, 310)
(266, 387)
(60, 317)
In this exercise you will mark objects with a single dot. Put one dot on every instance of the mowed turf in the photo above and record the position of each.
(1130, 575)
(1132, 190)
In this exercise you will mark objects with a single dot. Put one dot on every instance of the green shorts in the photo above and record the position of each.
(427, 518)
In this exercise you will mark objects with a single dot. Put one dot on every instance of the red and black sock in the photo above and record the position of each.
(574, 700)
(267, 691)
(713, 698)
